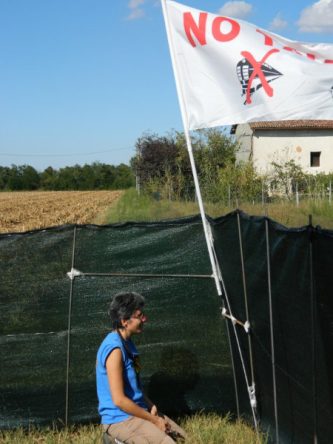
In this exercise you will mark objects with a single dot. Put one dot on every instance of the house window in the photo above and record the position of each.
(315, 158)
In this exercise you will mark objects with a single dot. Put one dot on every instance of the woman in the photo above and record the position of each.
(127, 414)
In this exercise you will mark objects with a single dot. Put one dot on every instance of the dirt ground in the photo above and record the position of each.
(29, 210)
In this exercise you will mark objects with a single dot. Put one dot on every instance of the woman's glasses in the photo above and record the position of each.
(141, 316)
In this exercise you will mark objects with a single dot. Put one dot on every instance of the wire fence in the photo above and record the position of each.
(295, 194)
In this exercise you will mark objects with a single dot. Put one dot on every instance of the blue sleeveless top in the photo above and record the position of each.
(109, 413)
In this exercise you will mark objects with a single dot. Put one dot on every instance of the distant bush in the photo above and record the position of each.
(162, 164)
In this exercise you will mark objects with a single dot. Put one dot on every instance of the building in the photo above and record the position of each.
(308, 142)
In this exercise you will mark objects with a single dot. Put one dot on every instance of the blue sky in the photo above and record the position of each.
(81, 80)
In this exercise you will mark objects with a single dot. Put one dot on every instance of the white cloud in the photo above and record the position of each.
(135, 11)
(238, 9)
(317, 17)
(278, 22)
(133, 4)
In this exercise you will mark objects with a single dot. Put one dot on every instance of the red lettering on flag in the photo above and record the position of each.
(288, 48)
(257, 72)
(220, 36)
(199, 30)
(268, 38)
(328, 61)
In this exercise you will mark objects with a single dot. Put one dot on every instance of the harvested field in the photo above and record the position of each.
(24, 211)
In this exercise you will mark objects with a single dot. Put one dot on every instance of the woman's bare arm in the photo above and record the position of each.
(114, 368)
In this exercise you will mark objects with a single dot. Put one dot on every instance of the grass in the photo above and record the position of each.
(214, 429)
(200, 428)
(134, 207)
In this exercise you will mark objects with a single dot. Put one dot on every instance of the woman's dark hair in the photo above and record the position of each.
(123, 305)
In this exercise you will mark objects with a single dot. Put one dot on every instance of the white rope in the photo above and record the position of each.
(246, 325)
(234, 322)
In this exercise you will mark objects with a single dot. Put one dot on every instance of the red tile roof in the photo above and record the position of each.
(293, 124)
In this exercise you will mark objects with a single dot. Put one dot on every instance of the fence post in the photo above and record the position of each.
(330, 193)
(268, 258)
(313, 331)
(69, 329)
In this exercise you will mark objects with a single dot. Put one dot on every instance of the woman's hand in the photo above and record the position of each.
(153, 410)
(159, 420)
(161, 423)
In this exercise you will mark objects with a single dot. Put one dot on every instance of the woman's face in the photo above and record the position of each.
(134, 325)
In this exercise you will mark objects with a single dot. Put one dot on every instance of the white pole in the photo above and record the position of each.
(209, 241)
(262, 194)
(190, 151)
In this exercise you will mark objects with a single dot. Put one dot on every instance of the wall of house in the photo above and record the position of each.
(284, 145)
(243, 136)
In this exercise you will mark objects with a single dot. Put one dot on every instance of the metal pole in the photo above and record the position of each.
(313, 335)
(69, 331)
(150, 275)
(245, 294)
(272, 331)
(233, 371)
(297, 196)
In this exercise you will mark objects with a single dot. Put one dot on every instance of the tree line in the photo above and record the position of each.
(97, 176)
(161, 167)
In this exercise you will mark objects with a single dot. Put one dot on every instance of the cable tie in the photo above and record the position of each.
(247, 326)
(252, 394)
(73, 273)
(224, 311)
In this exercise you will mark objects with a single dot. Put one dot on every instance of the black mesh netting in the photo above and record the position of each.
(46, 378)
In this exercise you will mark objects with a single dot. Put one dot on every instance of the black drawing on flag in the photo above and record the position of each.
(332, 91)
(255, 75)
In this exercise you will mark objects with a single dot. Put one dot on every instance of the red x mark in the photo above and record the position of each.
(258, 72)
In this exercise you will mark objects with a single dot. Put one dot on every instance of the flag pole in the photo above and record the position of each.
(208, 237)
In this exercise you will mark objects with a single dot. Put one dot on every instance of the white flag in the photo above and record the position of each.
(229, 71)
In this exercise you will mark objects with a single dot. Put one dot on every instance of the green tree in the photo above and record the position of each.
(107, 175)
(124, 177)
(30, 179)
(14, 178)
(48, 179)
(4, 177)
(154, 155)
(285, 176)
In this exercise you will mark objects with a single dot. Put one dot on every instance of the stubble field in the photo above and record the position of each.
(24, 211)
